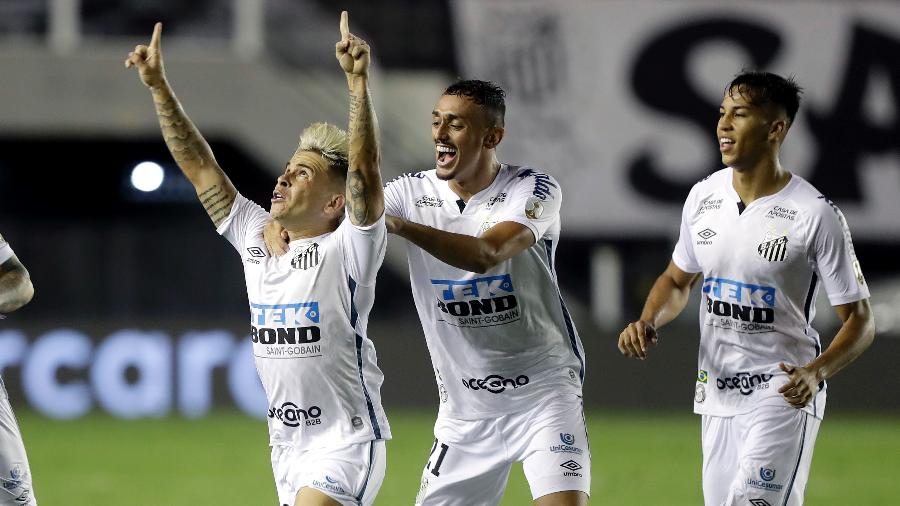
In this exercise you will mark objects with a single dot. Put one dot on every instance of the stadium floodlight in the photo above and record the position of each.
(147, 176)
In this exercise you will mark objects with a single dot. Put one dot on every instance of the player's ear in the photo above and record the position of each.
(493, 137)
(336, 204)
(778, 129)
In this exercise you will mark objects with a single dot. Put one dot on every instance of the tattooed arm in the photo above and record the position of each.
(184, 141)
(364, 196)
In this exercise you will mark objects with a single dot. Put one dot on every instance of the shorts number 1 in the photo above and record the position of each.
(437, 465)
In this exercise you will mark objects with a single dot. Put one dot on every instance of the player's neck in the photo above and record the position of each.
(306, 231)
(480, 178)
(763, 179)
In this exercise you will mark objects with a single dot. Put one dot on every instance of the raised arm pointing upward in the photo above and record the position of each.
(365, 200)
(309, 308)
(184, 141)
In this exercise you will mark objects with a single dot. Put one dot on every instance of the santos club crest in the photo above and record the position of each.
(307, 256)
(773, 249)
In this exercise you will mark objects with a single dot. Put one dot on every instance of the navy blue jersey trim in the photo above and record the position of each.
(362, 491)
(790, 484)
(807, 308)
(359, 362)
(570, 327)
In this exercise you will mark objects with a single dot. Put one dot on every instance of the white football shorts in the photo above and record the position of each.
(470, 459)
(761, 458)
(349, 474)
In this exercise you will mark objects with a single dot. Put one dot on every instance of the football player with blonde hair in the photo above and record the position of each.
(309, 308)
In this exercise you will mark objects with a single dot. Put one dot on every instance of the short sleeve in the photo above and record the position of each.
(683, 256)
(6, 251)
(393, 198)
(364, 249)
(835, 259)
(247, 219)
(535, 202)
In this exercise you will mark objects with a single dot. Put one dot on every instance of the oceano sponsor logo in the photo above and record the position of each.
(495, 383)
(292, 415)
(745, 383)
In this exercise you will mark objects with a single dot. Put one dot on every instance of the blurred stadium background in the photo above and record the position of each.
(131, 371)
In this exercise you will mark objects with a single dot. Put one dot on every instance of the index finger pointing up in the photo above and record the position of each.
(345, 26)
(157, 34)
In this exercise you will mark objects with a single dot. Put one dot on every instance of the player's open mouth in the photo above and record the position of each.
(277, 197)
(725, 143)
(445, 154)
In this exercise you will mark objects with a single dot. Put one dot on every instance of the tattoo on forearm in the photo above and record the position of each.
(363, 157)
(217, 201)
(358, 201)
(182, 137)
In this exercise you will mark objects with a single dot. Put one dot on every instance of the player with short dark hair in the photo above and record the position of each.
(507, 358)
(762, 240)
(309, 310)
(16, 488)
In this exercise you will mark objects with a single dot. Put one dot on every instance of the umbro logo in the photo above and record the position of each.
(571, 465)
(256, 251)
(759, 502)
(706, 233)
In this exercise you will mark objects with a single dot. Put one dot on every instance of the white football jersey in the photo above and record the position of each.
(503, 340)
(308, 314)
(761, 271)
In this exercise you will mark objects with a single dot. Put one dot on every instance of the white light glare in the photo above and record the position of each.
(147, 176)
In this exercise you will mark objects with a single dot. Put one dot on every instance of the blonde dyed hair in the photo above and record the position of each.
(329, 141)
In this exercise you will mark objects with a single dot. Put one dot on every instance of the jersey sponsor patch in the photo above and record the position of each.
(699, 393)
(739, 306)
(782, 213)
(534, 208)
(744, 382)
(292, 415)
(429, 201)
(495, 383)
(766, 480)
(286, 330)
(477, 302)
